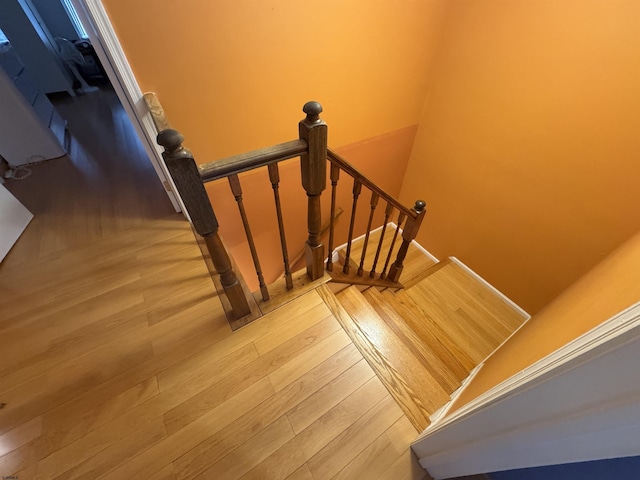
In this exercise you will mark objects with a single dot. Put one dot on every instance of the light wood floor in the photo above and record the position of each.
(118, 362)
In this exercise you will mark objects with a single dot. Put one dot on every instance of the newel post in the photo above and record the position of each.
(408, 235)
(314, 179)
(185, 175)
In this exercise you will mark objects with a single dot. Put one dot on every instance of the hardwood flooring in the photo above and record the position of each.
(422, 341)
(118, 362)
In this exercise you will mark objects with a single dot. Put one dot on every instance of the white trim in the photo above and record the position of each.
(105, 42)
(361, 237)
(442, 411)
(607, 331)
(579, 403)
(417, 245)
(498, 293)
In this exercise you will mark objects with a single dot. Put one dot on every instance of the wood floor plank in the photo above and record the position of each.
(337, 454)
(250, 453)
(67, 423)
(260, 367)
(198, 459)
(376, 457)
(298, 366)
(309, 410)
(107, 459)
(297, 451)
(20, 435)
(303, 473)
(101, 438)
(406, 467)
(402, 434)
(185, 440)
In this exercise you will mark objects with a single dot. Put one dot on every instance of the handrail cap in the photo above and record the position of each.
(312, 109)
(170, 139)
(419, 206)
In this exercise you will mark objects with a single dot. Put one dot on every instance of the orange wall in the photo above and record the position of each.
(611, 287)
(527, 152)
(232, 76)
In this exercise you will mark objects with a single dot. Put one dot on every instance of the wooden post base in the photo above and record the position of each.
(394, 273)
(315, 261)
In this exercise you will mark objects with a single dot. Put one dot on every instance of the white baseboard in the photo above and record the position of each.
(498, 293)
(395, 227)
(444, 410)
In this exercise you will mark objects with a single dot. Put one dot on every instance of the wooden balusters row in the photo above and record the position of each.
(311, 146)
(412, 216)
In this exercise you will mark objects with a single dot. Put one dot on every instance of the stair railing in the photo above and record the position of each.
(408, 221)
(189, 178)
(311, 147)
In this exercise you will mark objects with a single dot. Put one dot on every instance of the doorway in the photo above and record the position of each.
(104, 184)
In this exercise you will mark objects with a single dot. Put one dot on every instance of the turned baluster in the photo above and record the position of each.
(335, 175)
(313, 165)
(357, 188)
(236, 189)
(186, 177)
(274, 177)
(387, 214)
(373, 203)
(401, 217)
(408, 235)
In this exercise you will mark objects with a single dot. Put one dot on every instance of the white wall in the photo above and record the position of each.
(14, 218)
(585, 408)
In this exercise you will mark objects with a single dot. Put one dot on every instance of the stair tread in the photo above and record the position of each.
(423, 348)
(411, 384)
(430, 327)
(470, 313)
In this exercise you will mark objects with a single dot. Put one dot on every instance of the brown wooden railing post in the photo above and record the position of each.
(185, 175)
(408, 235)
(313, 165)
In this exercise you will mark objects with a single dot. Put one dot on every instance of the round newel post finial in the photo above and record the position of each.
(170, 139)
(419, 206)
(313, 110)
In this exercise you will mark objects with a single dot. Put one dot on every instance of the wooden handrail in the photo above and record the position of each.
(334, 157)
(311, 147)
(251, 160)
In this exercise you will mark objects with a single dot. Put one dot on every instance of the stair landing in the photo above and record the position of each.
(424, 340)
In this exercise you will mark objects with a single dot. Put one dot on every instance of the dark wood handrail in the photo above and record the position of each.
(355, 173)
(251, 160)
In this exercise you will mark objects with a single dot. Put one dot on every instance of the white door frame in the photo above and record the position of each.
(107, 46)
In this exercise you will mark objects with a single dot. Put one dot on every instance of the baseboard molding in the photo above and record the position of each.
(392, 224)
(498, 293)
(444, 410)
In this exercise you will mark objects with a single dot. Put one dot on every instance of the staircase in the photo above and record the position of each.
(424, 340)
(423, 326)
